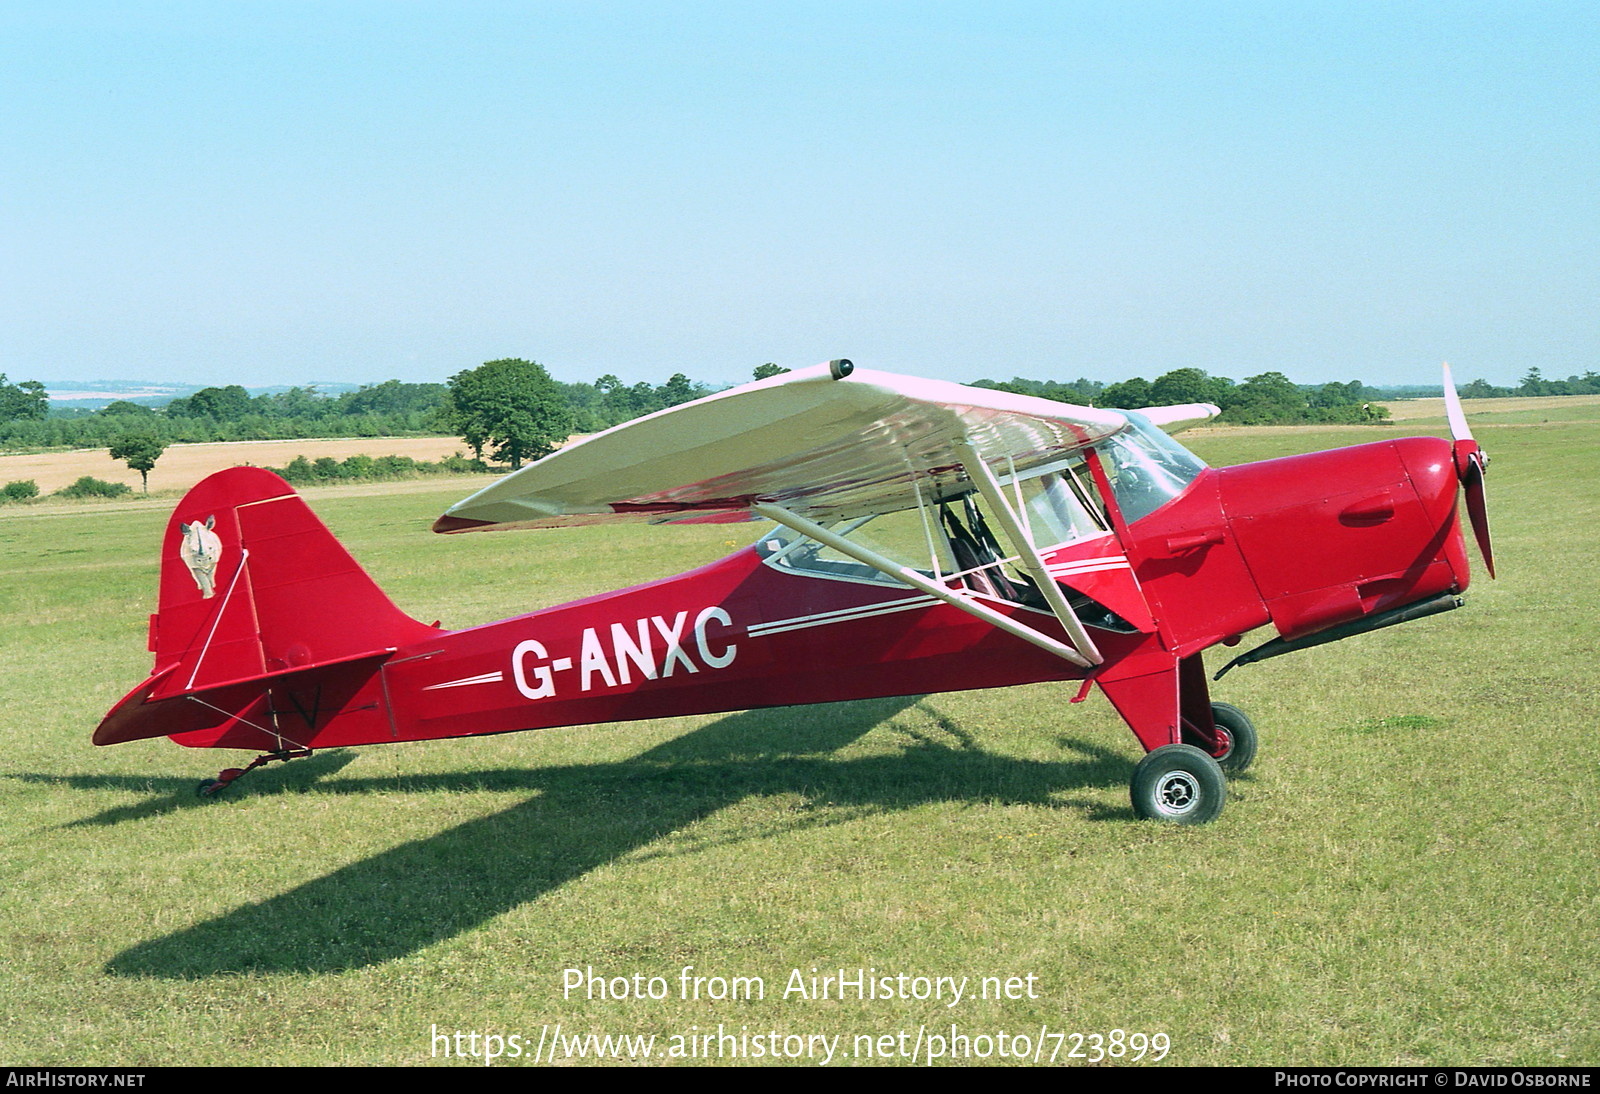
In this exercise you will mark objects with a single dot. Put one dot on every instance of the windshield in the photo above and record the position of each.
(1147, 468)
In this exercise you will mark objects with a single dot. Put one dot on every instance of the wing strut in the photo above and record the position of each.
(917, 581)
(989, 487)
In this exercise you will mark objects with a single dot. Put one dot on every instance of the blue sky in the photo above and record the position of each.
(266, 193)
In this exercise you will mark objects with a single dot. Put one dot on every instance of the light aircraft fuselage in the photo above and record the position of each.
(1128, 559)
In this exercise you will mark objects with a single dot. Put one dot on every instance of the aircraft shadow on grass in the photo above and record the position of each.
(428, 890)
(169, 794)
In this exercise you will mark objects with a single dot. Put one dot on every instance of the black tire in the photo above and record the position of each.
(1179, 784)
(1241, 750)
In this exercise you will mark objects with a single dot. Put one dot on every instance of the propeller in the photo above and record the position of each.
(1471, 462)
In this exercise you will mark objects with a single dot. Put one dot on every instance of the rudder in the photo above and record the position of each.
(284, 592)
(253, 585)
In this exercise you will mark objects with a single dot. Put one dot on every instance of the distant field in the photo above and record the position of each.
(183, 465)
(1522, 410)
(1407, 877)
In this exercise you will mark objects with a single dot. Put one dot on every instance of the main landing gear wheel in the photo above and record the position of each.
(1179, 784)
(1241, 731)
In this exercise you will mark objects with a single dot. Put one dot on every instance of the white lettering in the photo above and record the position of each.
(720, 660)
(546, 682)
(593, 660)
(674, 640)
(631, 656)
(624, 649)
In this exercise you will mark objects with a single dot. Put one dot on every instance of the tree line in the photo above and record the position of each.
(1535, 385)
(513, 411)
(231, 413)
(1270, 398)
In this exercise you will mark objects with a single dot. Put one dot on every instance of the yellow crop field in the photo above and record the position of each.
(183, 465)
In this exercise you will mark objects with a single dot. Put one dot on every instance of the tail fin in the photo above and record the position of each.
(253, 585)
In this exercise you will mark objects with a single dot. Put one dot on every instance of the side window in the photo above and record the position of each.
(1060, 506)
(954, 541)
(901, 537)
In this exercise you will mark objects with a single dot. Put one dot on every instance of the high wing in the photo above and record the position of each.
(827, 443)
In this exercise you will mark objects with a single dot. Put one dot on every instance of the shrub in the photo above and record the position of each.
(91, 487)
(326, 469)
(20, 490)
(394, 466)
(459, 463)
(298, 472)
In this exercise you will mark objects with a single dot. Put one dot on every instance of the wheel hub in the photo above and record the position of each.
(1224, 745)
(1177, 793)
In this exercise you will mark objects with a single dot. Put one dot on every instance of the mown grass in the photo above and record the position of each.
(1407, 876)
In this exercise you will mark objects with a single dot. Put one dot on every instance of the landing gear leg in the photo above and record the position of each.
(1169, 709)
(210, 788)
(1220, 730)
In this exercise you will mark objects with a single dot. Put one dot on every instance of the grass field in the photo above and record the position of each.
(1407, 876)
(1513, 410)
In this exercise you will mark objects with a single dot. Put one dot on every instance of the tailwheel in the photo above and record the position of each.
(1179, 784)
(1236, 734)
(210, 788)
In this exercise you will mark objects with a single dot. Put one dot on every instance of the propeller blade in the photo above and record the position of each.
(1459, 430)
(1471, 460)
(1478, 511)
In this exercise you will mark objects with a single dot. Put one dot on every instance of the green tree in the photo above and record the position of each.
(1269, 397)
(139, 451)
(1128, 395)
(125, 409)
(513, 405)
(297, 402)
(1181, 385)
(678, 389)
(26, 400)
(769, 369)
(1223, 392)
(1335, 395)
(222, 404)
(394, 397)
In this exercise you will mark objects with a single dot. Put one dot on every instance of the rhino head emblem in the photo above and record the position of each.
(200, 550)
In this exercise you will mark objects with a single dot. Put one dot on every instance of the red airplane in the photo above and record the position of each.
(929, 537)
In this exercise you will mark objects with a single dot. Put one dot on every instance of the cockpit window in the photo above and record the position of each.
(901, 537)
(1146, 467)
(954, 540)
(1061, 506)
